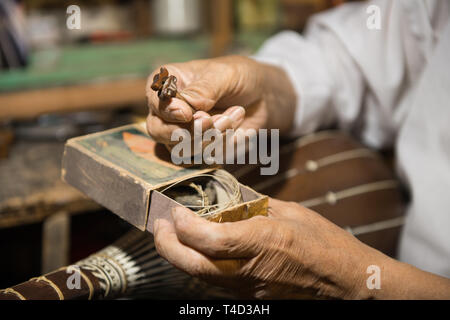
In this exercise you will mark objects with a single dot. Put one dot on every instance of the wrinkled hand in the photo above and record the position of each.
(225, 93)
(292, 253)
(226, 84)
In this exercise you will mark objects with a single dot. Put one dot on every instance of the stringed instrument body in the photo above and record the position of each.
(328, 172)
(336, 176)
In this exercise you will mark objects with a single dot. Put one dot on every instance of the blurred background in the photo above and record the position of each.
(57, 83)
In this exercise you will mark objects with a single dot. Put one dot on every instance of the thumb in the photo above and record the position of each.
(219, 240)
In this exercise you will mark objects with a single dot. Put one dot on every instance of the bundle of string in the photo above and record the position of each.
(131, 267)
(229, 184)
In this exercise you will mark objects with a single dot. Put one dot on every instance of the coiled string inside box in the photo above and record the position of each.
(206, 194)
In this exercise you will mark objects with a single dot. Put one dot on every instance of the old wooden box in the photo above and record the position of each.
(123, 169)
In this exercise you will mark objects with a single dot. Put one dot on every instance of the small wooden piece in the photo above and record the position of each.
(166, 86)
(159, 79)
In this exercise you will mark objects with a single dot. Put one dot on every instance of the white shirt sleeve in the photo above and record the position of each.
(344, 72)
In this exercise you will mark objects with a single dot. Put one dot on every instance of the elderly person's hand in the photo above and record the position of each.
(292, 253)
(225, 93)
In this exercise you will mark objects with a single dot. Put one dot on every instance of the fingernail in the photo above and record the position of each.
(200, 115)
(222, 123)
(237, 114)
(196, 116)
(177, 114)
(177, 212)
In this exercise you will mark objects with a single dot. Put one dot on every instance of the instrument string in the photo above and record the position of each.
(229, 184)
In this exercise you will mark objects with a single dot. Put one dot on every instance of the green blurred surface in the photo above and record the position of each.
(93, 63)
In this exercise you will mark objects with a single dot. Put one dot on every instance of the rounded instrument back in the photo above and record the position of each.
(328, 172)
(339, 178)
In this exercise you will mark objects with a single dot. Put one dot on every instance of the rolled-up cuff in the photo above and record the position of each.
(303, 64)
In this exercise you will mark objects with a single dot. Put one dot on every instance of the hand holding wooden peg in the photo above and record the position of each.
(166, 86)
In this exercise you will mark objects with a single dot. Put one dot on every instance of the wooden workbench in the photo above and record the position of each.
(89, 76)
(98, 76)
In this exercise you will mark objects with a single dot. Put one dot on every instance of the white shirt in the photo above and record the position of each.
(391, 87)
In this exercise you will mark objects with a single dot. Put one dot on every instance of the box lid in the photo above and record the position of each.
(131, 151)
